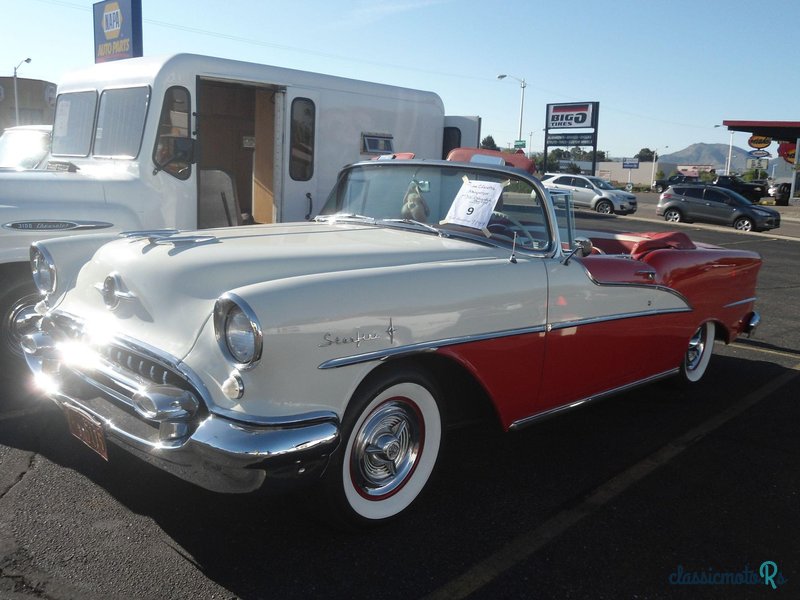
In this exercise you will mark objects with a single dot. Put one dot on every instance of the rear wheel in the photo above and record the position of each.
(673, 215)
(391, 436)
(659, 188)
(743, 224)
(604, 207)
(698, 354)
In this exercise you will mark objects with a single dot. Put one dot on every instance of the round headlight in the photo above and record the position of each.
(238, 330)
(43, 270)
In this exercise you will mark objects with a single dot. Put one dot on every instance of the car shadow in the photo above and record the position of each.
(490, 487)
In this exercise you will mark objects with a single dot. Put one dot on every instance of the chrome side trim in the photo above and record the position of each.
(617, 317)
(431, 346)
(740, 302)
(535, 418)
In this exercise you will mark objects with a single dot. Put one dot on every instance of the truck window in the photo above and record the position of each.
(74, 120)
(173, 125)
(301, 161)
(120, 122)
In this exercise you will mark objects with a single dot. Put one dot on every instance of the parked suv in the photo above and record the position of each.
(592, 192)
(712, 204)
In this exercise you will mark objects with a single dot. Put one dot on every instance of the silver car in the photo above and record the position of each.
(593, 192)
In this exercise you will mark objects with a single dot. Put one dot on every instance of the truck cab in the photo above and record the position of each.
(194, 142)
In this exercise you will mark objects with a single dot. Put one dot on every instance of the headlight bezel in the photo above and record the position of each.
(226, 312)
(42, 261)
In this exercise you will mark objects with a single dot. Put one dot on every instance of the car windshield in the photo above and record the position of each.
(453, 200)
(601, 183)
(23, 148)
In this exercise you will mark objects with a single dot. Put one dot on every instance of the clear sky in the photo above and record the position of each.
(664, 71)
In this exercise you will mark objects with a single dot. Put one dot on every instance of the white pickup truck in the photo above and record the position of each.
(187, 142)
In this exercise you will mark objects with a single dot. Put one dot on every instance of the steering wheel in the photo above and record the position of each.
(502, 230)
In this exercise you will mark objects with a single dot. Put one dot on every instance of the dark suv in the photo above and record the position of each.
(752, 191)
(712, 204)
(659, 185)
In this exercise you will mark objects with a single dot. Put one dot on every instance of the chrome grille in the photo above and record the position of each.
(141, 366)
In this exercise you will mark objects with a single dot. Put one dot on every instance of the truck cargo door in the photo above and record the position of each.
(301, 198)
(461, 132)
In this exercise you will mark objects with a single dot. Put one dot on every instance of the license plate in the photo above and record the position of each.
(87, 430)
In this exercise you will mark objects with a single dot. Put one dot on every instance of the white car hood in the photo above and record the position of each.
(174, 283)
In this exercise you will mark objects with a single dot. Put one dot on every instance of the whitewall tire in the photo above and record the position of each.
(391, 438)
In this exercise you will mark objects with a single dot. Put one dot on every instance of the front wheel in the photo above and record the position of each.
(659, 189)
(698, 354)
(392, 433)
(743, 224)
(604, 207)
(18, 319)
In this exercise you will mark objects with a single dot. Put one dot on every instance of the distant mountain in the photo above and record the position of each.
(708, 154)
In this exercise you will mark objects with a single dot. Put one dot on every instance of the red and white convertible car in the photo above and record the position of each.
(337, 352)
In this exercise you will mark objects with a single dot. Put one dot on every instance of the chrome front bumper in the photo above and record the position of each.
(213, 451)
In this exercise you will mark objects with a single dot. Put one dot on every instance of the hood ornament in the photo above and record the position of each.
(113, 291)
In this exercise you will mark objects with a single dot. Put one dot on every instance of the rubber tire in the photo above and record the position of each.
(604, 207)
(744, 224)
(20, 294)
(346, 500)
(676, 212)
(694, 365)
(659, 189)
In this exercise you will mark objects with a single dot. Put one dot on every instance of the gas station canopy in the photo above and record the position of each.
(779, 131)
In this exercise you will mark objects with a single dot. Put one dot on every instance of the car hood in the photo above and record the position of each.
(171, 284)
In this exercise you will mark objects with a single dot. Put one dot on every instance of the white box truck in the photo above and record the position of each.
(191, 141)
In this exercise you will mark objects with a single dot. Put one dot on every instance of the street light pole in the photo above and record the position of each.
(730, 151)
(16, 98)
(653, 165)
(522, 85)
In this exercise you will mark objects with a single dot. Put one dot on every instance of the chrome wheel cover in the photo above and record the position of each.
(386, 449)
(697, 346)
(19, 321)
(672, 216)
(743, 225)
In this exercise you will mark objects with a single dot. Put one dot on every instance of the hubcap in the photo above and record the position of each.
(20, 321)
(386, 449)
(696, 348)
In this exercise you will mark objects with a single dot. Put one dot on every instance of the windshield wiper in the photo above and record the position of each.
(345, 216)
(424, 226)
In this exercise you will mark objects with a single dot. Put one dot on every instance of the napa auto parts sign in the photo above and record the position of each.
(574, 115)
(117, 30)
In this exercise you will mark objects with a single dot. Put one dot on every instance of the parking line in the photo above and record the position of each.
(527, 544)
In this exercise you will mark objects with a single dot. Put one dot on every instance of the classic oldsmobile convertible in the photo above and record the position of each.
(338, 352)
